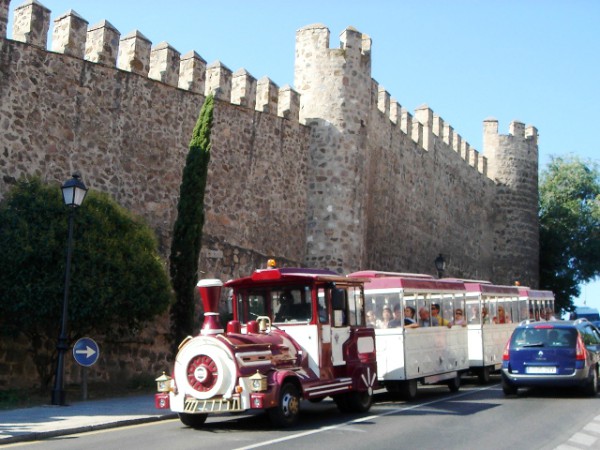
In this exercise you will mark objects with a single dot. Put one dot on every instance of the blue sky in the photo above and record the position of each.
(536, 61)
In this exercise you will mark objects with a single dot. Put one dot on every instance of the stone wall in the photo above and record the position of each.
(390, 190)
(334, 173)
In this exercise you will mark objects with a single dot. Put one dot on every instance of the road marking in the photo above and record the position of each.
(586, 437)
(363, 419)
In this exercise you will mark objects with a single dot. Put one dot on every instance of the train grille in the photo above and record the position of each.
(213, 405)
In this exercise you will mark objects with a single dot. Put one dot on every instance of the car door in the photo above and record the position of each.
(591, 339)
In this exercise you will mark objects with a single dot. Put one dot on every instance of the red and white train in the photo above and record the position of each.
(296, 334)
(303, 334)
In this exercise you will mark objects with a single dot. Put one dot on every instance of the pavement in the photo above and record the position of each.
(42, 422)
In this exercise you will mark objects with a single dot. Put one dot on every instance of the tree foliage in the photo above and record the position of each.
(118, 281)
(569, 227)
(187, 234)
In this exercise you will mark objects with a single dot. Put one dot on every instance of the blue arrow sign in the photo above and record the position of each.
(86, 352)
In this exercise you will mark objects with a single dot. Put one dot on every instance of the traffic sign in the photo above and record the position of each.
(86, 352)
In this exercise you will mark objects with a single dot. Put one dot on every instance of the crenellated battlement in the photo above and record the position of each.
(357, 166)
(335, 174)
(102, 43)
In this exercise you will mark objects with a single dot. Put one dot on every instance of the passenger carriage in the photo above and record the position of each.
(493, 312)
(540, 303)
(411, 354)
(296, 334)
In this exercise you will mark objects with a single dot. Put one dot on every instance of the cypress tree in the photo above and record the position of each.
(187, 233)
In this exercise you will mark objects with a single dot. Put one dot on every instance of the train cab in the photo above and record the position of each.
(296, 334)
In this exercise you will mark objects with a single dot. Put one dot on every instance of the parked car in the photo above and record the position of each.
(557, 353)
(585, 312)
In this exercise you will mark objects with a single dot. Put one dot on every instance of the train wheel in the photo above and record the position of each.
(359, 402)
(408, 389)
(286, 413)
(341, 401)
(194, 421)
(484, 375)
(454, 384)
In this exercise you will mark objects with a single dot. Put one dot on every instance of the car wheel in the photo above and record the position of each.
(591, 387)
(508, 388)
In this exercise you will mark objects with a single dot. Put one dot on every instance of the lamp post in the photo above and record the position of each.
(440, 265)
(74, 192)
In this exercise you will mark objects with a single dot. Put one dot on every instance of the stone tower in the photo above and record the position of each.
(513, 165)
(335, 88)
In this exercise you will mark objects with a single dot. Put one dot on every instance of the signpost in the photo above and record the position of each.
(86, 353)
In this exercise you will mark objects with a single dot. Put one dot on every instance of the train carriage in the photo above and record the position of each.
(539, 302)
(420, 352)
(296, 334)
(493, 312)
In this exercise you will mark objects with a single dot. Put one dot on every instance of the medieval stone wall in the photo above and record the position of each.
(334, 173)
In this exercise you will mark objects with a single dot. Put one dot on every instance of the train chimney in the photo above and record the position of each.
(210, 293)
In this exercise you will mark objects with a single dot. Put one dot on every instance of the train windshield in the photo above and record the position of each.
(282, 304)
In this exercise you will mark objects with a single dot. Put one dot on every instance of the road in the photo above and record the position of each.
(475, 417)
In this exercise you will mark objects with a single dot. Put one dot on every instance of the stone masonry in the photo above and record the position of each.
(332, 173)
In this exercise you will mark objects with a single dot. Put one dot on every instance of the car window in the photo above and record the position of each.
(544, 337)
(590, 336)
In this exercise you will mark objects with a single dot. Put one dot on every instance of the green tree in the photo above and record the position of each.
(118, 281)
(569, 227)
(187, 234)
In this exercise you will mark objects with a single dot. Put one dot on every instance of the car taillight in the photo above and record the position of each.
(506, 354)
(580, 351)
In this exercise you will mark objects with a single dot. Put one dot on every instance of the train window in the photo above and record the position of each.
(250, 305)
(473, 312)
(322, 306)
(355, 306)
(338, 305)
(292, 304)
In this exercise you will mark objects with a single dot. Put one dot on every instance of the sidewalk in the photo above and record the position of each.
(41, 422)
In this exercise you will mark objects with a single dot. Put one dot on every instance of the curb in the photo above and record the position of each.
(40, 435)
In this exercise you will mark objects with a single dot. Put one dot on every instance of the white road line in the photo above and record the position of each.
(583, 437)
(363, 419)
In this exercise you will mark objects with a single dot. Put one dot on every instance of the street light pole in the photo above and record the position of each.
(74, 192)
(440, 265)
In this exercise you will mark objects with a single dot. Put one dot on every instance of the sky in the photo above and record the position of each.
(535, 61)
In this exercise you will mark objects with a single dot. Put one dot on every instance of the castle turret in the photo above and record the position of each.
(4, 6)
(513, 164)
(335, 100)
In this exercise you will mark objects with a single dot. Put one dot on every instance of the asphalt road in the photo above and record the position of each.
(475, 417)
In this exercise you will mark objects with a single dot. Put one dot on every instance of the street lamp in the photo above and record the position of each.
(74, 192)
(440, 265)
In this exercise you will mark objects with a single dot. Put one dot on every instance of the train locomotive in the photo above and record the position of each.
(295, 334)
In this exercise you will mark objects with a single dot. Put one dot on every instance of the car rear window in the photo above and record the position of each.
(544, 337)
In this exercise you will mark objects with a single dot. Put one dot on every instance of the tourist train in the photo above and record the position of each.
(306, 334)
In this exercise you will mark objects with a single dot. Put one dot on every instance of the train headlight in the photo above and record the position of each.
(258, 382)
(164, 383)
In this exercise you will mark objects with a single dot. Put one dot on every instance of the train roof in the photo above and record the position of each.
(292, 275)
(381, 274)
(534, 294)
(488, 288)
(409, 282)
